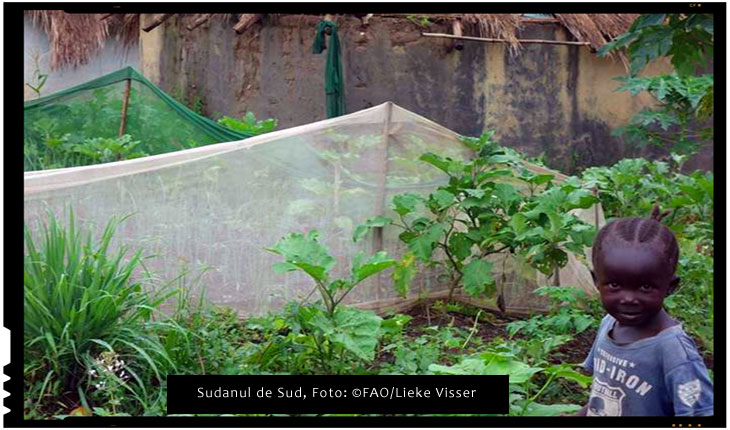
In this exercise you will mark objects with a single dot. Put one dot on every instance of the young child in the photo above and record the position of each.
(643, 363)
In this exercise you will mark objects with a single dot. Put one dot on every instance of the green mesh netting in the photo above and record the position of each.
(68, 128)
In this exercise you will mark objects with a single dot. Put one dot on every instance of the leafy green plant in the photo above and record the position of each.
(567, 316)
(332, 331)
(104, 150)
(65, 151)
(79, 299)
(693, 303)
(249, 124)
(524, 393)
(684, 99)
(632, 187)
(687, 38)
(39, 78)
(92, 119)
(421, 21)
(485, 210)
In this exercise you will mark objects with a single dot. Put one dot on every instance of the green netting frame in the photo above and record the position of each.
(158, 121)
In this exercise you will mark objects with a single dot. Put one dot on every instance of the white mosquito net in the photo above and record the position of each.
(213, 210)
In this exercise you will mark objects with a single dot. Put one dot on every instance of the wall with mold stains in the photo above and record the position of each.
(555, 100)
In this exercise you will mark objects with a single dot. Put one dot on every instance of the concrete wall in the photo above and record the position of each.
(555, 100)
(37, 55)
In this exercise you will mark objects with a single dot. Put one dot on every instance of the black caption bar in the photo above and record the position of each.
(330, 394)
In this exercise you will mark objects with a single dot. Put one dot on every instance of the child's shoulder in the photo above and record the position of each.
(672, 344)
(677, 347)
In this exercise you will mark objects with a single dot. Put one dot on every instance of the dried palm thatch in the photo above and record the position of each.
(597, 28)
(125, 27)
(76, 37)
(497, 25)
(73, 37)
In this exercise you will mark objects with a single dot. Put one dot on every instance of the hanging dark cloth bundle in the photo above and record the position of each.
(333, 79)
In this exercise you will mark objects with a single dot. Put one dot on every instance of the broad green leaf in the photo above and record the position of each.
(407, 236)
(460, 246)
(540, 179)
(582, 322)
(582, 199)
(647, 20)
(501, 159)
(471, 202)
(283, 266)
(394, 325)
(680, 201)
(447, 165)
(467, 366)
(556, 224)
(357, 331)
(506, 193)
(575, 248)
(475, 192)
(305, 253)
(363, 229)
(490, 174)
(423, 245)
(518, 372)
(376, 263)
(518, 224)
(478, 235)
(477, 275)
(582, 234)
(443, 199)
(695, 193)
(405, 203)
(566, 371)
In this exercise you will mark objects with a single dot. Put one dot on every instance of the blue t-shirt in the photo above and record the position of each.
(663, 375)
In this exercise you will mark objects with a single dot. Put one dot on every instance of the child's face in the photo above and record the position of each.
(633, 282)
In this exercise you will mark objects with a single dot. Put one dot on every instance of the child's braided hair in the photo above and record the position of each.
(639, 231)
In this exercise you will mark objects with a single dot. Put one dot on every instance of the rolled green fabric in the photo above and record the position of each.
(333, 79)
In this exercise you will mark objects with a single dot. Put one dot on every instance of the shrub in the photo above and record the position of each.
(82, 307)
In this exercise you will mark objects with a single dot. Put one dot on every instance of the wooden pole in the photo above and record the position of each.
(456, 25)
(246, 21)
(198, 21)
(381, 193)
(157, 20)
(125, 106)
(382, 178)
(486, 39)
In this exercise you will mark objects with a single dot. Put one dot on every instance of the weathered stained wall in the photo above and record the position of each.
(555, 100)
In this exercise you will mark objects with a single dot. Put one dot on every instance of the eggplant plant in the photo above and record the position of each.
(491, 204)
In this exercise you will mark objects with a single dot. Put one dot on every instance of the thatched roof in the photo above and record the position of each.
(74, 38)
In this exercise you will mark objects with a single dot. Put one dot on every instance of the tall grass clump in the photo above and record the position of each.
(87, 337)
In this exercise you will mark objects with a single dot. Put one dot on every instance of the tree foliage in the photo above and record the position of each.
(684, 98)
